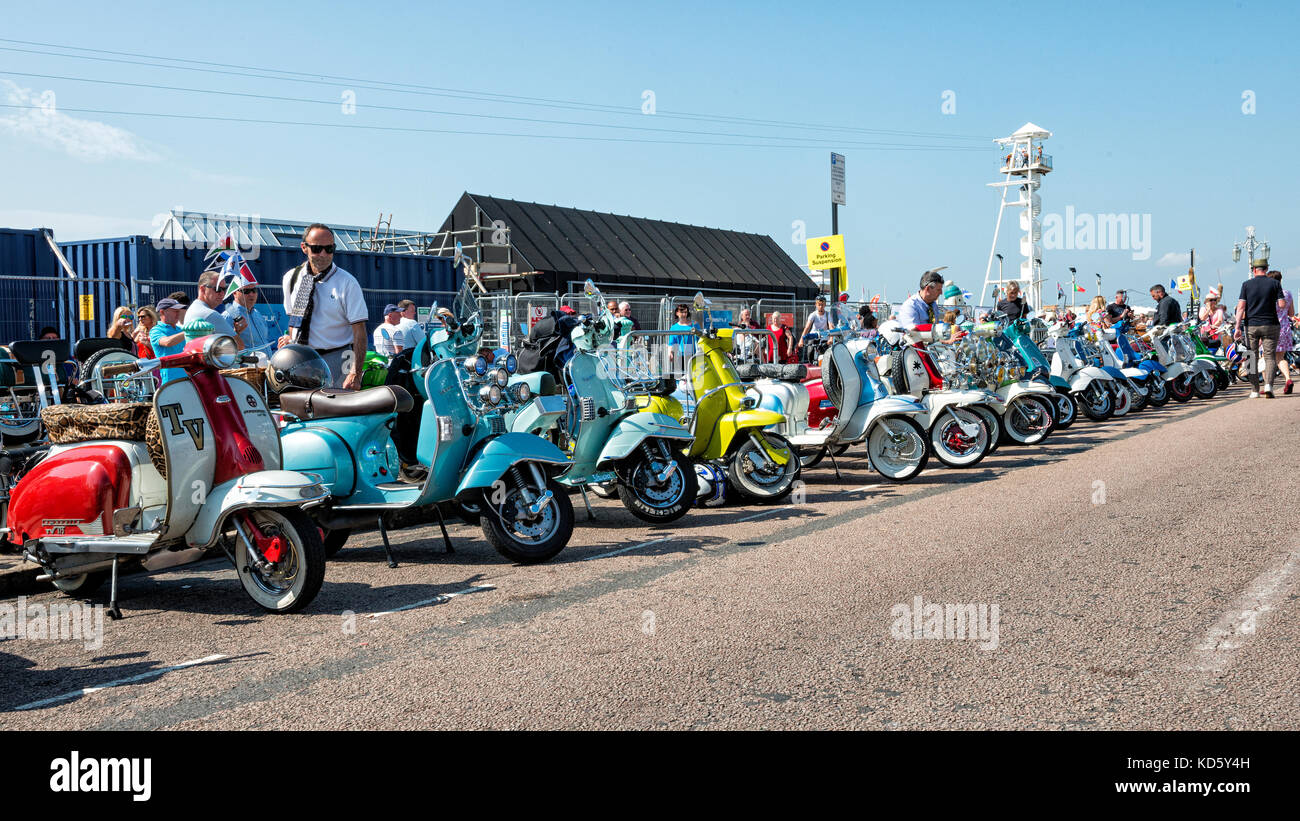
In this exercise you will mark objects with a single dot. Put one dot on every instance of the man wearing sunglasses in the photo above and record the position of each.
(258, 333)
(205, 308)
(326, 309)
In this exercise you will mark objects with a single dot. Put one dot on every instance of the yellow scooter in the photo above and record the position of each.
(723, 414)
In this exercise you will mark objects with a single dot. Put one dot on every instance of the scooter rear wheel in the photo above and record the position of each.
(82, 585)
(334, 541)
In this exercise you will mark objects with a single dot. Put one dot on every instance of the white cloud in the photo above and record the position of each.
(1173, 260)
(83, 139)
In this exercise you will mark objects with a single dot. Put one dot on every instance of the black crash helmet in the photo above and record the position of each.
(297, 367)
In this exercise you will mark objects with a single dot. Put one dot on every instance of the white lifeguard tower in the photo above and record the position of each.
(1023, 165)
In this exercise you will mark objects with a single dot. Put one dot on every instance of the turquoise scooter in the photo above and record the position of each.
(508, 478)
(610, 440)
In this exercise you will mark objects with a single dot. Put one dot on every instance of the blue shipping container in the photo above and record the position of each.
(29, 285)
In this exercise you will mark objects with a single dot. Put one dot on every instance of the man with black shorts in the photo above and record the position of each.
(1261, 296)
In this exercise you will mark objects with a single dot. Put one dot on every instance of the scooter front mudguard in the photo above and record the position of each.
(1086, 376)
(634, 429)
(501, 452)
(265, 488)
(734, 424)
(1174, 370)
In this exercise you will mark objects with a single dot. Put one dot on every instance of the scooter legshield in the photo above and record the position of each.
(740, 423)
(634, 429)
(501, 452)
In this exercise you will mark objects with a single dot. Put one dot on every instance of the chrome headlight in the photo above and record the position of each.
(476, 365)
(220, 352)
(489, 395)
(512, 364)
(521, 393)
(502, 378)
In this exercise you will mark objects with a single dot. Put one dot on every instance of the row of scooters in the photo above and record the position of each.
(458, 432)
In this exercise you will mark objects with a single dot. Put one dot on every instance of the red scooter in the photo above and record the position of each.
(209, 481)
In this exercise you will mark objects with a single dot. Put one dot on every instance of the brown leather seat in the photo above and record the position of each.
(331, 403)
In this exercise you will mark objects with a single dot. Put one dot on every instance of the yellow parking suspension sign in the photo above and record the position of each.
(86, 307)
(826, 252)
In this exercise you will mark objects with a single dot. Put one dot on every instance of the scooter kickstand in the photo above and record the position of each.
(446, 540)
(831, 453)
(590, 514)
(388, 549)
(114, 612)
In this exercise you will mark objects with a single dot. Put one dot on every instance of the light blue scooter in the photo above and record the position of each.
(610, 440)
(505, 479)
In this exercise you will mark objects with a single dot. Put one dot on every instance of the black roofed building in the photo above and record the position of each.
(526, 246)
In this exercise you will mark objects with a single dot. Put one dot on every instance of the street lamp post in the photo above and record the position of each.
(1250, 245)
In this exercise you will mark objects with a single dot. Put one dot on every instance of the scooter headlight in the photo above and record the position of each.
(752, 398)
(502, 378)
(476, 365)
(521, 393)
(220, 352)
(490, 395)
(512, 364)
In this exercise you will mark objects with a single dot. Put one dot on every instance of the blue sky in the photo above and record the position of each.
(1145, 103)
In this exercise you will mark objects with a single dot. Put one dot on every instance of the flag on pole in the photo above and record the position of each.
(1060, 292)
(1079, 289)
(235, 274)
(222, 248)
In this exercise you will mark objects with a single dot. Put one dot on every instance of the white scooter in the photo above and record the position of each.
(1092, 387)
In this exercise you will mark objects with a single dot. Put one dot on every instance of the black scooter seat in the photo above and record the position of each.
(332, 403)
(770, 370)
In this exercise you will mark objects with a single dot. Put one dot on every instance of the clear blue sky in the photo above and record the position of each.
(1145, 103)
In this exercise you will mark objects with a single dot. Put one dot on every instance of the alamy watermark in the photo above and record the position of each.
(63, 620)
(206, 232)
(957, 622)
(1098, 232)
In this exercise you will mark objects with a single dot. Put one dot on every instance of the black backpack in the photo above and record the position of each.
(548, 346)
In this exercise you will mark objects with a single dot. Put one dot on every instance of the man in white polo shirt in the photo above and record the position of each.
(326, 309)
(389, 339)
(412, 330)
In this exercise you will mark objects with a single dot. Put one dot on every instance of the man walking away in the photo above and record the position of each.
(1257, 309)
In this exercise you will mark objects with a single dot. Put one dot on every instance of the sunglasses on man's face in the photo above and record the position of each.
(248, 290)
(321, 249)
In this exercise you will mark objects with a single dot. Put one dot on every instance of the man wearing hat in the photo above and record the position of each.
(1257, 312)
(166, 336)
(919, 308)
(389, 339)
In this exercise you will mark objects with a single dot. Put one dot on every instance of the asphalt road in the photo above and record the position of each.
(1144, 572)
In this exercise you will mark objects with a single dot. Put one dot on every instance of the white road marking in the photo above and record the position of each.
(441, 597)
(762, 513)
(626, 549)
(860, 489)
(151, 674)
(1241, 622)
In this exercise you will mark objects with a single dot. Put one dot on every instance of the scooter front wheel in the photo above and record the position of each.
(992, 422)
(651, 500)
(1180, 388)
(1066, 410)
(1028, 419)
(954, 446)
(756, 476)
(1096, 402)
(1157, 390)
(521, 536)
(291, 582)
(897, 448)
(1204, 386)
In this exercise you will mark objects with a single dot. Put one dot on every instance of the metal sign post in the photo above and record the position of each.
(837, 199)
